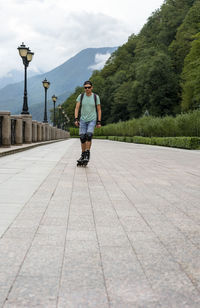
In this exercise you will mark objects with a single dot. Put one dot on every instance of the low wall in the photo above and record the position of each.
(20, 129)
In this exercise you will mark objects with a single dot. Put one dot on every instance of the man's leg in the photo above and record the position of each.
(89, 134)
(89, 141)
(83, 139)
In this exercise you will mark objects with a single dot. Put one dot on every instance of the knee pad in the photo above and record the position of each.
(83, 138)
(89, 136)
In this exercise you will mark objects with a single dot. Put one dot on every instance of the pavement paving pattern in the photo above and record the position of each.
(122, 232)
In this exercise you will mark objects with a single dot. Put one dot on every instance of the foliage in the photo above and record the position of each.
(151, 73)
(191, 77)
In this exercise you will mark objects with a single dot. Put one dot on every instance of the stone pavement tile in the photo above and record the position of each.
(109, 236)
(125, 280)
(12, 251)
(110, 221)
(57, 212)
(79, 246)
(27, 223)
(105, 210)
(80, 222)
(84, 235)
(174, 289)
(84, 210)
(43, 261)
(49, 239)
(81, 261)
(83, 277)
(172, 285)
(188, 256)
(84, 297)
(54, 221)
(148, 246)
(20, 233)
(135, 304)
(128, 213)
(134, 293)
(133, 223)
(123, 205)
(46, 229)
(120, 263)
(141, 236)
(8, 274)
(33, 291)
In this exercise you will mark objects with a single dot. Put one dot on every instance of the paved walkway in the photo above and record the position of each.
(123, 232)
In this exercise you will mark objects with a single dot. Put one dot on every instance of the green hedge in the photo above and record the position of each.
(175, 142)
(187, 125)
(182, 131)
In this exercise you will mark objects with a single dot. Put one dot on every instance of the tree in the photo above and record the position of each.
(191, 77)
(156, 86)
(180, 47)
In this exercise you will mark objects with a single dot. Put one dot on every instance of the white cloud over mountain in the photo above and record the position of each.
(55, 30)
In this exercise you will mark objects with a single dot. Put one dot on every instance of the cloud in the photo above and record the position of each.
(56, 30)
(54, 36)
(100, 60)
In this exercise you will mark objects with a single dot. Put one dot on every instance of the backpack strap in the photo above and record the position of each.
(95, 100)
(81, 99)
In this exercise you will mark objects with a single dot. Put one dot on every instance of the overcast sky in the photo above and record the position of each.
(55, 30)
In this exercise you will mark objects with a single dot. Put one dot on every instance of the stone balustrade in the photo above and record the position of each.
(20, 129)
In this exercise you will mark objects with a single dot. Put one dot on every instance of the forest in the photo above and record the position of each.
(156, 72)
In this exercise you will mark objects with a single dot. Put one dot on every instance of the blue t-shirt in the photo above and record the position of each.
(88, 109)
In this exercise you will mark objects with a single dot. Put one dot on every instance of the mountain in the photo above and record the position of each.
(15, 76)
(63, 81)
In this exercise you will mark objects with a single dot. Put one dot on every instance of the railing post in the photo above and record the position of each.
(18, 129)
(6, 128)
(34, 131)
(47, 131)
(39, 131)
(43, 132)
(28, 128)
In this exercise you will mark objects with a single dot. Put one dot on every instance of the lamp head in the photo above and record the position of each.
(29, 55)
(46, 83)
(54, 98)
(23, 50)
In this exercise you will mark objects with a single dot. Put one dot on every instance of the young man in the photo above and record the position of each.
(89, 118)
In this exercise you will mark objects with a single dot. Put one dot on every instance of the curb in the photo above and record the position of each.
(25, 148)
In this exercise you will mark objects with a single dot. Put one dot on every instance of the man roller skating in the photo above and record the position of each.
(90, 116)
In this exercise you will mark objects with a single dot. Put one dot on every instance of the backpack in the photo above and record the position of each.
(95, 100)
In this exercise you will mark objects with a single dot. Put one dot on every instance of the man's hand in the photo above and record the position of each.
(98, 124)
(76, 122)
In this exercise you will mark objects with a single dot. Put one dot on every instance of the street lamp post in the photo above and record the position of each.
(46, 85)
(54, 98)
(26, 56)
(59, 116)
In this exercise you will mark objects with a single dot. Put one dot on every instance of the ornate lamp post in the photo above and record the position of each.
(54, 98)
(26, 56)
(46, 85)
(59, 116)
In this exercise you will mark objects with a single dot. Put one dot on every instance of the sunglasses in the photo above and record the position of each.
(87, 87)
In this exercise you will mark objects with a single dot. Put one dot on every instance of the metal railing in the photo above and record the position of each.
(23, 130)
(13, 131)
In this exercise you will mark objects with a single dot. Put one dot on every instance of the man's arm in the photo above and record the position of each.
(99, 115)
(76, 113)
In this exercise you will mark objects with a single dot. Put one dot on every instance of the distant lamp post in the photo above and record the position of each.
(54, 99)
(46, 85)
(26, 56)
(59, 116)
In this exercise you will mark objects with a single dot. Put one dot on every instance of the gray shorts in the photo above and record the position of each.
(86, 127)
